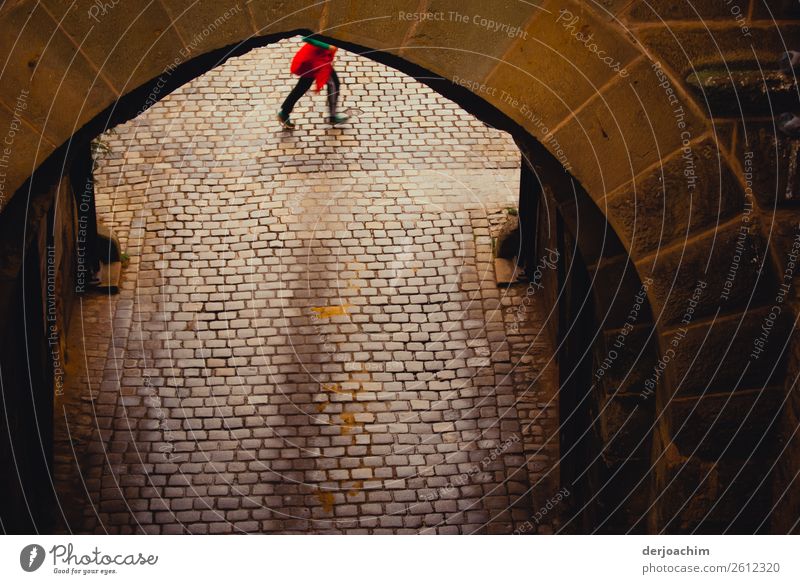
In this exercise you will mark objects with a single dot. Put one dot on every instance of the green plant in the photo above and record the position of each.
(100, 148)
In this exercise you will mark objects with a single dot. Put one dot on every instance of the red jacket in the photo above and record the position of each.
(311, 61)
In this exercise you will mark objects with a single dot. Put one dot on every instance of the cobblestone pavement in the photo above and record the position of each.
(308, 337)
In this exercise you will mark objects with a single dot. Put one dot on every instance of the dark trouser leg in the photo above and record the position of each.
(333, 92)
(302, 86)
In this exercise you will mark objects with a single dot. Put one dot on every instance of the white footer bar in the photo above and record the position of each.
(349, 559)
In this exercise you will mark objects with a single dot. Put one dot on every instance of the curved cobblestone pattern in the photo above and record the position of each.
(314, 338)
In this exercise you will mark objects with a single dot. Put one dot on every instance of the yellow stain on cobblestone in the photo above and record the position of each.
(326, 500)
(348, 422)
(355, 488)
(337, 388)
(333, 388)
(329, 311)
(354, 391)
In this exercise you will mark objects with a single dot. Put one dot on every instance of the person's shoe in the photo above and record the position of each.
(338, 119)
(286, 123)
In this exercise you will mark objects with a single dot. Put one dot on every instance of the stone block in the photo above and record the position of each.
(663, 206)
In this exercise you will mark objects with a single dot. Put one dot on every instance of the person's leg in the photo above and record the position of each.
(333, 97)
(333, 92)
(303, 85)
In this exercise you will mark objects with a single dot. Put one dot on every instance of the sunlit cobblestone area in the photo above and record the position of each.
(309, 337)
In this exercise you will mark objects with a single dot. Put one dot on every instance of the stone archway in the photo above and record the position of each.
(73, 68)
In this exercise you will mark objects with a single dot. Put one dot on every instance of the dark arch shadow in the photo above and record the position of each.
(595, 250)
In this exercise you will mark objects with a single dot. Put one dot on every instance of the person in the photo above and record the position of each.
(313, 63)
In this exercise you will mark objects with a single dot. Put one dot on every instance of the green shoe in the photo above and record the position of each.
(285, 121)
(338, 119)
